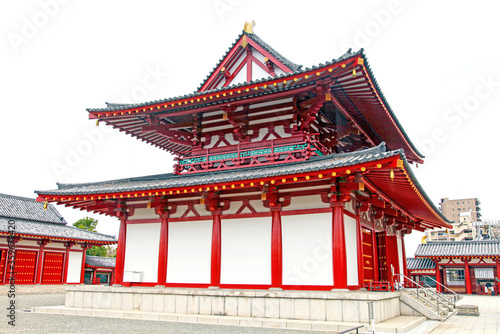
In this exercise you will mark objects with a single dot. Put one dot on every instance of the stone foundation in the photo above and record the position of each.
(22, 289)
(349, 306)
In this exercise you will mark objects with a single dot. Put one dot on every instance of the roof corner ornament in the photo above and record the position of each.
(248, 28)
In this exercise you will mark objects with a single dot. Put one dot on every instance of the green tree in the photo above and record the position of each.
(90, 224)
(87, 223)
(96, 251)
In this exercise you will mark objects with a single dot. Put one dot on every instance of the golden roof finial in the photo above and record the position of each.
(248, 28)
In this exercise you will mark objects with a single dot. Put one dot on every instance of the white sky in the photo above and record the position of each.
(433, 61)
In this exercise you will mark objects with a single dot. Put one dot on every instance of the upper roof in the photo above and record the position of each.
(459, 248)
(360, 95)
(419, 263)
(53, 231)
(28, 209)
(404, 189)
(100, 262)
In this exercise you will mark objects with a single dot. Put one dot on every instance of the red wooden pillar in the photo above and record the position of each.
(120, 251)
(276, 249)
(39, 262)
(405, 268)
(359, 241)
(163, 251)
(216, 249)
(66, 260)
(438, 276)
(94, 276)
(82, 271)
(467, 278)
(338, 247)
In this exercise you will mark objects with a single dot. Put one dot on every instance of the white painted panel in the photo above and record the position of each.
(26, 243)
(144, 214)
(141, 250)
(241, 76)
(74, 267)
(278, 71)
(306, 202)
(307, 249)
(258, 72)
(351, 250)
(400, 255)
(246, 251)
(189, 252)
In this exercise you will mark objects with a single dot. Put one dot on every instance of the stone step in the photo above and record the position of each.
(309, 325)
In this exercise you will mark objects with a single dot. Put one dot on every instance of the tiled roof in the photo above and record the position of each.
(419, 264)
(119, 106)
(28, 209)
(99, 261)
(164, 181)
(55, 231)
(459, 248)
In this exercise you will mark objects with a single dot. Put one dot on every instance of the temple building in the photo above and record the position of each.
(471, 267)
(37, 247)
(99, 270)
(286, 177)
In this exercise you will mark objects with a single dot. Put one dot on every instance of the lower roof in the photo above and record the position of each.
(398, 184)
(100, 261)
(459, 248)
(419, 264)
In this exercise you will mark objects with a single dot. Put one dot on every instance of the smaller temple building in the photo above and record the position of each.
(38, 247)
(471, 267)
(99, 270)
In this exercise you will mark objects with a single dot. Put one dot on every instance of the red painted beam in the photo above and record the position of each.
(120, 252)
(163, 252)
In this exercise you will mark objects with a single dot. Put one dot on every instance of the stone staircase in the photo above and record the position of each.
(428, 301)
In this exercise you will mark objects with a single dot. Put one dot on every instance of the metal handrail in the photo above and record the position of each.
(455, 295)
(351, 329)
(438, 296)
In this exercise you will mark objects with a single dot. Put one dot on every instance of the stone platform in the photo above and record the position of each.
(348, 306)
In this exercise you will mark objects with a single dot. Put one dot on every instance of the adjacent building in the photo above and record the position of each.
(38, 247)
(99, 270)
(471, 267)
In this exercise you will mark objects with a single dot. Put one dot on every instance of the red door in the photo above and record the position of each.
(25, 267)
(3, 255)
(52, 268)
(382, 256)
(368, 258)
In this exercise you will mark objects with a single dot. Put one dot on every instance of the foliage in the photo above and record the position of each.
(96, 251)
(87, 223)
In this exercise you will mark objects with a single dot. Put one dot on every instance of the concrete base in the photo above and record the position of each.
(328, 306)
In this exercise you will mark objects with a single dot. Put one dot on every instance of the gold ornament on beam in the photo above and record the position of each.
(392, 175)
(45, 205)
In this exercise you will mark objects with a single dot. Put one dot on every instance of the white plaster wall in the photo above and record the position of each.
(141, 250)
(400, 255)
(144, 214)
(241, 76)
(307, 249)
(351, 250)
(25, 243)
(306, 202)
(246, 251)
(74, 267)
(189, 252)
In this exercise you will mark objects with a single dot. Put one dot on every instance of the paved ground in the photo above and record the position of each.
(488, 322)
(51, 323)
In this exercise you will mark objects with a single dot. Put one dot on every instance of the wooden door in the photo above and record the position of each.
(382, 256)
(368, 256)
(52, 268)
(25, 267)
